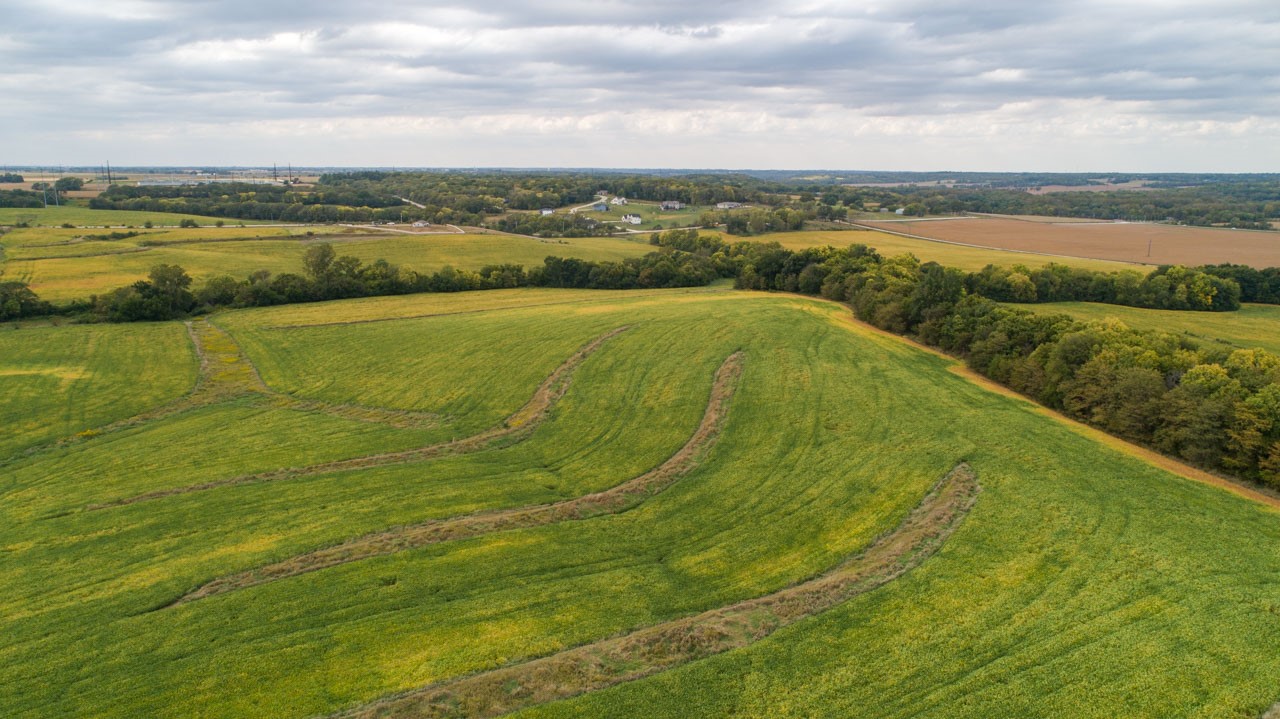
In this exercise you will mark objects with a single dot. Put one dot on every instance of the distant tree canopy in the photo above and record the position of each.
(11, 177)
(64, 184)
(17, 301)
(778, 201)
(21, 198)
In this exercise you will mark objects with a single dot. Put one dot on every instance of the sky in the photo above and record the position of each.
(996, 85)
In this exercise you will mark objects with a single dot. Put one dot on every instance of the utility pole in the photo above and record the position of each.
(108, 172)
(1149, 239)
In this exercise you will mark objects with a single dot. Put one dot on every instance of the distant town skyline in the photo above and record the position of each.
(912, 85)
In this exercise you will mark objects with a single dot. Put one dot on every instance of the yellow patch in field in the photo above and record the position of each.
(66, 374)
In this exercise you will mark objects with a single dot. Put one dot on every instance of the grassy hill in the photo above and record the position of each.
(386, 494)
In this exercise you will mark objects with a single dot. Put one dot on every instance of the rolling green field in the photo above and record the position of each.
(60, 267)
(1082, 583)
(1250, 326)
(59, 381)
(965, 258)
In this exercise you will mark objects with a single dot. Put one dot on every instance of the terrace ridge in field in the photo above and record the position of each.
(615, 500)
(607, 662)
(519, 425)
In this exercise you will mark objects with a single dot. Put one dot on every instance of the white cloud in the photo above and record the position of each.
(746, 83)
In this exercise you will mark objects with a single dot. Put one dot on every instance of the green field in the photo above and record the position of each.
(1083, 582)
(58, 266)
(965, 258)
(1250, 326)
(85, 217)
(58, 381)
(651, 213)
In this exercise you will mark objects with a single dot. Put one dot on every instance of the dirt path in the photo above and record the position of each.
(1147, 455)
(618, 499)
(664, 646)
(513, 429)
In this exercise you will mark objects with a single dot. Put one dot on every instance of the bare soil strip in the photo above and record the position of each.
(513, 429)
(663, 646)
(1272, 713)
(615, 500)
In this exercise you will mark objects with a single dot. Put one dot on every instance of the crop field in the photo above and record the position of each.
(565, 503)
(59, 381)
(1250, 326)
(965, 258)
(85, 217)
(1119, 241)
(59, 266)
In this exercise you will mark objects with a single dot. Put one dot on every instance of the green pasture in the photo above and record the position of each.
(1250, 326)
(1084, 583)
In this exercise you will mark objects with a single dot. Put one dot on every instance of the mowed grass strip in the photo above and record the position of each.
(610, 501)
(1077, 557)
(513, 429)
(653, 649)
(734, 548)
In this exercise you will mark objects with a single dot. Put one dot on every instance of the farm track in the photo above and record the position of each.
(647, 651)
(513, 429)
(615, 500)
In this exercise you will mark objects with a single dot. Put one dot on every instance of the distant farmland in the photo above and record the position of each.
(64, 265)
(965, 258)
(1124, 242)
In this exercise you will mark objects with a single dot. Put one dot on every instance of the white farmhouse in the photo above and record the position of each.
(632, 219)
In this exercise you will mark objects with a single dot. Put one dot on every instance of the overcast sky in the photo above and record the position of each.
(1133, 85)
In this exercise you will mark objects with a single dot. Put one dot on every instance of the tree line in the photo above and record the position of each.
(1208, 405)
(1213, 407)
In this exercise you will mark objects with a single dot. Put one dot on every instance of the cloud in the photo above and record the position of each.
(133, 78)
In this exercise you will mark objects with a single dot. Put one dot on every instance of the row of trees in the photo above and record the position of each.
(1214, 408)
(167, 294)
(1217, 408)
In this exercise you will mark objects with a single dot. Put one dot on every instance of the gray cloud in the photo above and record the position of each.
(144, 77)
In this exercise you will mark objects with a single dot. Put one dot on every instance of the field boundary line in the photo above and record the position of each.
(515, 428)
(1150, 456)
(618, 499)
(667, 645)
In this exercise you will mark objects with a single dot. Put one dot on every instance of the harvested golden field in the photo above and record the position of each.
(954, 255)
(1124, 242)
